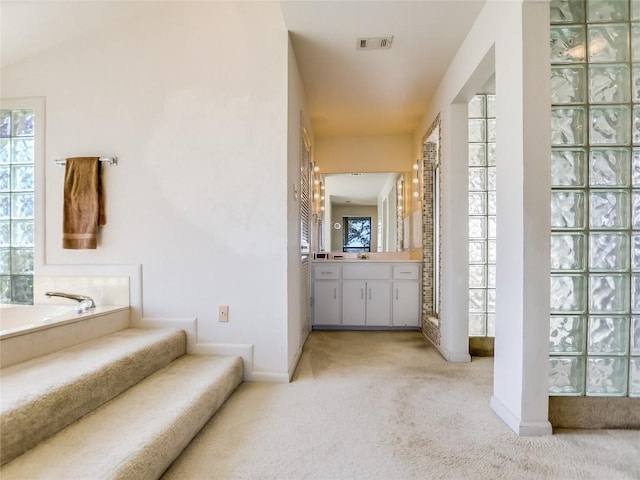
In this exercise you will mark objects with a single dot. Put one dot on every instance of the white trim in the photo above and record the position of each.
(294, 363)
(454, 357)
(526, 429)
(459, 357)
(269, 377)
(243, 350)
(134, 272)
(38, 105)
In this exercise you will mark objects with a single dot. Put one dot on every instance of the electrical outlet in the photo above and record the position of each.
(223, 313)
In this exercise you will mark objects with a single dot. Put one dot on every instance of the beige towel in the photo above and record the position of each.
(83, 208)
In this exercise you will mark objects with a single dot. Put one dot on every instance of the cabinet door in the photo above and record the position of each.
(353, 303)
(378, 303)
(326, 303)
(406, 304)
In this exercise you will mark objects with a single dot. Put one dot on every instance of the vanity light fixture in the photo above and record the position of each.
(416, 180)
(318, 192)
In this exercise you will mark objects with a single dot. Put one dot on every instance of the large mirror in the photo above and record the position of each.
(364, 212)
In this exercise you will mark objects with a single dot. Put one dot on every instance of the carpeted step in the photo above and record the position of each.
(138, 434)
(41, 396)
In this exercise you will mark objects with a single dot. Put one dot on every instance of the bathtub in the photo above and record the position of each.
(28, 331)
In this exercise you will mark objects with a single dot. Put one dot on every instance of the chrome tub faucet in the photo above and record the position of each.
(86, 302)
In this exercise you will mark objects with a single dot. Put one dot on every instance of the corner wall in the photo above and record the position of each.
(510, 39)
(297, 275)
(192, 99)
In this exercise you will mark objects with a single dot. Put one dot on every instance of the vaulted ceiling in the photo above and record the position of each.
(349, 91)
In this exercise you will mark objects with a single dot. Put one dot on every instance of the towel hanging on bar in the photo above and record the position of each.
(83, 206)
(113, 161)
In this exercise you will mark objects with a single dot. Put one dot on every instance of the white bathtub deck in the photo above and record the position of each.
(44, 337)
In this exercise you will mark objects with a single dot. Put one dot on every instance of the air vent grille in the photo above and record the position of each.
(374, 43)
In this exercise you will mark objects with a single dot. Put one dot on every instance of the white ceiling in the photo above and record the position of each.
(355, 188)
(376, 92)
(350, 92)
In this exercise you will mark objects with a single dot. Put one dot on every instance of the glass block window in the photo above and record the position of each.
(594, 338)
(16, 205)
(482, 215)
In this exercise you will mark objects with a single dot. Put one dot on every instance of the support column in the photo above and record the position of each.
(520, 394)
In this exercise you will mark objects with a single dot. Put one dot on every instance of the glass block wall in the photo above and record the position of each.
(595, 208)
(482, 216)
(16, 205)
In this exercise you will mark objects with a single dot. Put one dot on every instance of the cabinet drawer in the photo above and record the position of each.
(409, 272)
(366, 271)
(326, 272)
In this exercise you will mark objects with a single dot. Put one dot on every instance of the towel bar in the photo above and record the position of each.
(113, 161)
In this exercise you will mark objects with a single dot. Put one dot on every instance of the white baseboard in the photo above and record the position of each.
(524, 429)
(294, 364)
(269, 377)
(244, 350)
(454, 357)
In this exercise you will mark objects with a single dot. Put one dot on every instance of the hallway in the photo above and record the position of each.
(385, 405)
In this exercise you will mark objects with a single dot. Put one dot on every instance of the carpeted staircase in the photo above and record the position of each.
(121, 406)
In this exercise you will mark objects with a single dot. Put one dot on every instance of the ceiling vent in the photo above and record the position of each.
(374, 43)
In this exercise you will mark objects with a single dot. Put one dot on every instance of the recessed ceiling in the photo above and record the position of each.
(382, 91)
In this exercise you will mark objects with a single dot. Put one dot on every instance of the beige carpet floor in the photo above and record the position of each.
(385, 405)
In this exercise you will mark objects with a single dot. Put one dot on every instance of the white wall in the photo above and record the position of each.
(192, 98)
(510, 38)
(298, 329)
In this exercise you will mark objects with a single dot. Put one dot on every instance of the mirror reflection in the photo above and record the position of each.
(363, 212)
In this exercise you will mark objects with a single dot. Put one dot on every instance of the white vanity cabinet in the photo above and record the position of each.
(327, 294)
(366, 303)
(406, 288)
(366, 294)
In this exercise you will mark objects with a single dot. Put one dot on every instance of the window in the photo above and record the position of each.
(482, 216)
(17, 205)
(357, 234)
(594, 339)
